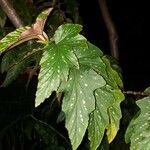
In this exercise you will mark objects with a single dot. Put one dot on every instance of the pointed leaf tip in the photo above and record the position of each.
(79, 102)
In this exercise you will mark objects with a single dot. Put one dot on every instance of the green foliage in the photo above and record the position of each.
(79, 102)
(10, 39)
(16, 61)
(57, 59)
(138, 132)
(77, 68)
(23, 34)
(86, 82)
(105, 116)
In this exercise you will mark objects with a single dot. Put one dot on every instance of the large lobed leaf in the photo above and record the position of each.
(77, 68)
(106, 115)
(79, 102)
(57, 59)
(138, 131)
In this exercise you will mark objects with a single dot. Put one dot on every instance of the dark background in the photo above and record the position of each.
(131, 19)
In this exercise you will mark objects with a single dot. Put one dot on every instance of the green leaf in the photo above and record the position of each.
(16, 60)
(138, 131)
(57, 59)
(106, 115)
(93, 57)
(23, 34)
(66, 31)
(114, 112)
(44, 14)
(79, 102)
(115, 65)
(112, 74)
(17, 54)
(11, 39)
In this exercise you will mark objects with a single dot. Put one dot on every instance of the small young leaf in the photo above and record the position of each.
(23, 34)
(67, 31)
(102, 118)
(79, 102)
(40, 21)
(138, 131)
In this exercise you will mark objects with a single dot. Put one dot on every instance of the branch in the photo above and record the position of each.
(136, 93)
(112, 33)
(11, 13)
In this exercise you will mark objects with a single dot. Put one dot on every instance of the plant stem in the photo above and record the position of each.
(112, 33)
(11, 13)
(136, 93)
